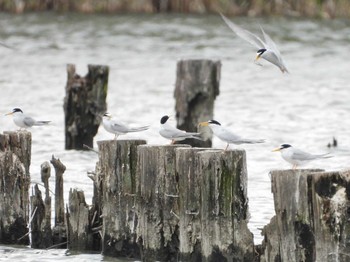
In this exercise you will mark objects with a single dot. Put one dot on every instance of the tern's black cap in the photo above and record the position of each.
(164, 119)
(17, 110)
(214, 122)
(285, 146)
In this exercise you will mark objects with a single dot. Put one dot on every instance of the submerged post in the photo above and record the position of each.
(197, 85)
(117, 173)
(15, 152)
(312, 217)
(84, 103)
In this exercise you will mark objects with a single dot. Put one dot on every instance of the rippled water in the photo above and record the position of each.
(305, 108)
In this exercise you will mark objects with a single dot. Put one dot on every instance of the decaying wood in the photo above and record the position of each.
(59, 230)
(157, 204)
(197, 85)
(224, 206)
(312, 217)
(84, 103)
(15, 151)
(117, 174)
(78, 224)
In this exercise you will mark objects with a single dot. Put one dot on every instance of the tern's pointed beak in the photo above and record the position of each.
(276, 149)
(11, 113)
(257, 57)
(203, 124)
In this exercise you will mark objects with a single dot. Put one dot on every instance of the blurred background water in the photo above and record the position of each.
(305, 108)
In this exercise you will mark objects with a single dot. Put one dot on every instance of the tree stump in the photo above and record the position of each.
(84, 104)
(312, 214)
(158, 207)
(197, 85)
(78, 224)
(224, 207)
(41, 233)
(15, 151)
(117, 163)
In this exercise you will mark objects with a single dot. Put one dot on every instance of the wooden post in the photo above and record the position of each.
(224, 207)
(158, 206)
(15, 151)
(118, 175)
(78, 225)
(41, 233)
(197, 85)
(59, 230)
(189, 185)
(84, 103)
(312, 214)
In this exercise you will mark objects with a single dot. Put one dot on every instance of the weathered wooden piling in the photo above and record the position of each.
(189, 184)
(158, 207)
(40, 226)
(78, 223)
(312, 217)
(117, 167)
(197, 85)
(84, 104)
(224, 207)
(15, 152)
(59, 230)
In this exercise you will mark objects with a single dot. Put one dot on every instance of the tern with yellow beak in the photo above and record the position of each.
(296, 156)
(227, 136)
(23, 121)
(118, 128)
(267, 48)
(169, 132)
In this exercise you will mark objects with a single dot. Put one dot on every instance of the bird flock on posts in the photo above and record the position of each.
(266, 49)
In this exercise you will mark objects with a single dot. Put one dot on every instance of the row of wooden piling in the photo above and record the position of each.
(173, 203)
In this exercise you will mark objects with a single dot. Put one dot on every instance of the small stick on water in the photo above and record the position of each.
(57, 245)
(90, 148)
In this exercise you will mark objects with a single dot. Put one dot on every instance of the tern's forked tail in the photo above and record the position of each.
(41, 123)
(138, 129)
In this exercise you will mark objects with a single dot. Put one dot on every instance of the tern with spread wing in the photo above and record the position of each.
(169, 132)
(118, 128)
(227, 136)
(296, 156)
(23, 121)
(267, 48)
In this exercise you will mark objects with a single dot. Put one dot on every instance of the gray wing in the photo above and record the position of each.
(270, 44)
(244, 34)
(119, 127)
(301, 155)
(28, 121)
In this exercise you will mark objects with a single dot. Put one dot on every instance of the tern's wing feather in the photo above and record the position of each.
(301, 155)
(270, 43)
(244, 34)
(28, 121)
(119, 127)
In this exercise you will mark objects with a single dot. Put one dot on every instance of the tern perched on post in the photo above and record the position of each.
(296, 156)
(169, 132)
(266, 48)
(23, 121)
(118, 128)
(227, 136)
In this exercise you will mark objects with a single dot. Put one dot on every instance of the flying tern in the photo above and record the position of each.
(267, 48)
(296, 156)
(118, 128)
(227, 136)
(23, 121)
(169, 132)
